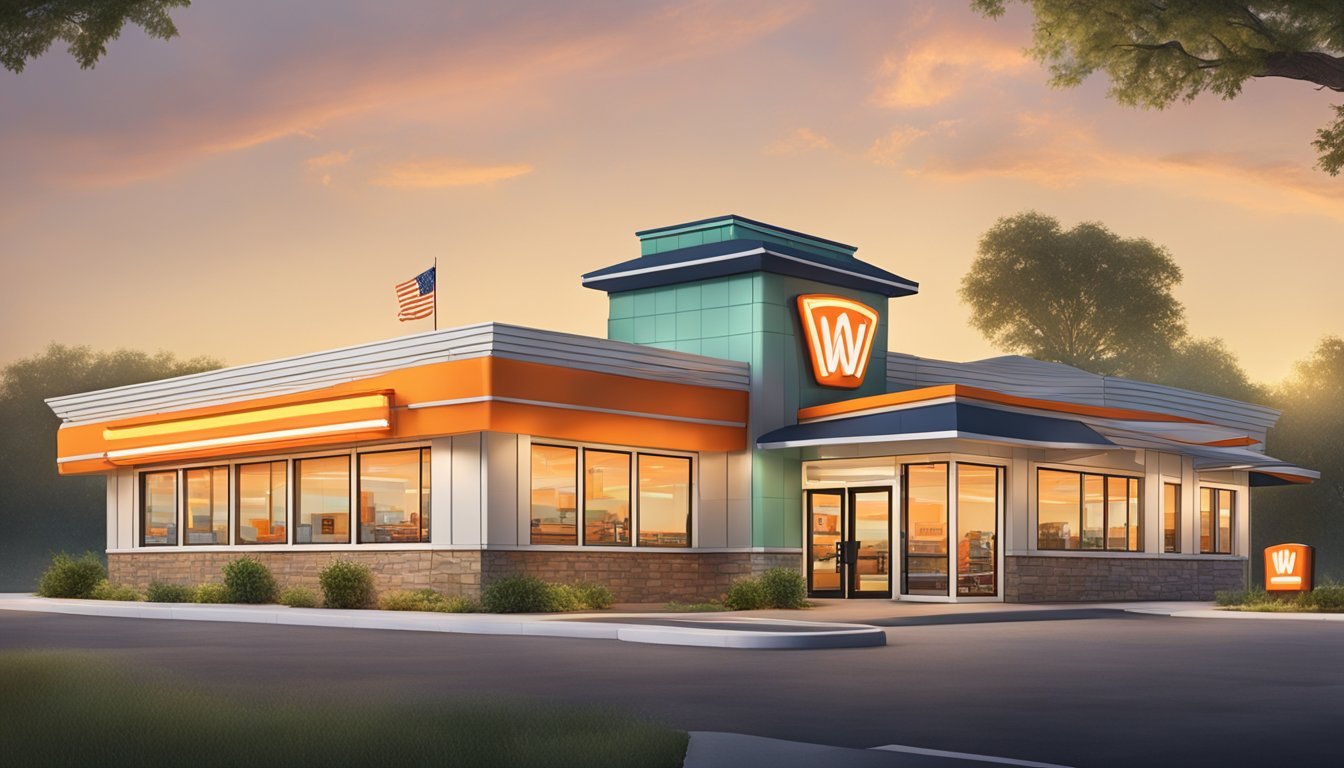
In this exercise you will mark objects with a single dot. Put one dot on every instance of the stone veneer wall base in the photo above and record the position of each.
(1032, 579)
(633, 577)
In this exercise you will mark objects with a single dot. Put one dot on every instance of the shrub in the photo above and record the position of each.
(169, 593)
(1327, 597)
(210, 593)
(426, 600)
(784, 588)
(71, 577)
(519, 594)
(248, 581)
(745, 595)
(594, 596)
(106, 591)
(346, 584)
(299, 597)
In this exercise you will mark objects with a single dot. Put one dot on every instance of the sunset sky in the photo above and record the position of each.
(256, 187)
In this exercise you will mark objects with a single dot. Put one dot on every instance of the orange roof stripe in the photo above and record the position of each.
(988, 395)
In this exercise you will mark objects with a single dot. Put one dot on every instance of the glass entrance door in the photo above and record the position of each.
(826, 530)
(870, 522)
(849, 543)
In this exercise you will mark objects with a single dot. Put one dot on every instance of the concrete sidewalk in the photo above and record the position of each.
(695, 629)
(712, 749)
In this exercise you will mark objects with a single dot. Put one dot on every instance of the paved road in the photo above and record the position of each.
(1091, 689)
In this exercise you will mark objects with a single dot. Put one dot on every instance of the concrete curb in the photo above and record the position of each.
(809, 635)
(1210, 613)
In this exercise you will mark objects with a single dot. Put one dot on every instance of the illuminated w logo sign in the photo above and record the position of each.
(839, 333)
(1285, 560)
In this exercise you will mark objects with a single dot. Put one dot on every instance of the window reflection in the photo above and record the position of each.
(207, 506)
(158, 508)
(925, 569)
(664, 501)
(323, 491)
(977, 529)
(262, 498)
(1171, 517)
(1104, 508)
(1215, 520)
(394, 496)
(554, 495)
(1057, 502)
(606, 497)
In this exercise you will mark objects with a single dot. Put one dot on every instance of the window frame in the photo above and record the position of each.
(630, 495)
(177, 507)
(424, 532)
(1177, 529)
(228, 503)
(580, 490)
(1135, 516)
(636, 520)
(1215, 541)
(236, 511)
(296, 495)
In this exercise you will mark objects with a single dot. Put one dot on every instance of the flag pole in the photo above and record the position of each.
(436, 293)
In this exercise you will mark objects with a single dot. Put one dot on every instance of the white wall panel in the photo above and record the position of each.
(501, 484)
(467, 469)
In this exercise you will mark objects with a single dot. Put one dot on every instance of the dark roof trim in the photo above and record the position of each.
(744, 220)
(735, 257)
(945, 420)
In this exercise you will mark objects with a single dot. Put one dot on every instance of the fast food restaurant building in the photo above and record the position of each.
(741, 413)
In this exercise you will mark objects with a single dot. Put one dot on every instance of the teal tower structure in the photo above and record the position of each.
(727, 287)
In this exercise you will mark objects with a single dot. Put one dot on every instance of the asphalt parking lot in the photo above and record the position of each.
(1090, 688)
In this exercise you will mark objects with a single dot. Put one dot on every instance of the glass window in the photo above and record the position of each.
(924, 523)
(977, 530)
(1057, 504)
(664, 501)
(1105, 508)
(555, 483)
(394, 496)
(207, 506)
(263, 493)
(1171, 517)
(606, 497)
(158, 509)
(322, 514)
(1216, 507)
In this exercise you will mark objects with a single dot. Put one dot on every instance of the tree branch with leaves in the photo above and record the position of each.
(1157, 53)
(29, 27)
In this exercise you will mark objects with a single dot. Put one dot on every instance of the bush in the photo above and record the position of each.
(426, 600)
(71, 577)
(169, 593)
(519, 594)
(1327, 598)
(248, 581)
(784, 588)
(106, 591)
(210, 593)
(745, 595)
(299, 597)
(346, 584)
(594, 596)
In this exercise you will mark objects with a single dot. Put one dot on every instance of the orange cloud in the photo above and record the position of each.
(434, 82)
(329, 160)
(889, 149)
(433, 174)
(940, 68)
(801, 140)
(1057, 150)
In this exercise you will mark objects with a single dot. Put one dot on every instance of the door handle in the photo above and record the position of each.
(839, 556)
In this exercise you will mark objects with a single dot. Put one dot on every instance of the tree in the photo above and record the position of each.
(1310, 433)
(1206, 365)
(1085, 297)
(1156, 52)
(39, 510)
(29, 27)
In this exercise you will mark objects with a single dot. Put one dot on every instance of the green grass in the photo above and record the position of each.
(709, 607)
(77, 709)
(1326, 598)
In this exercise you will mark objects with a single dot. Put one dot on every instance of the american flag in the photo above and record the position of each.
(415, 297)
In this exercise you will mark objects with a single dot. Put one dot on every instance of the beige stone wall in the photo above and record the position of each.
(1029, 579)
(634, 576)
